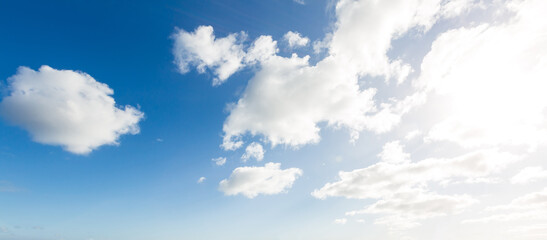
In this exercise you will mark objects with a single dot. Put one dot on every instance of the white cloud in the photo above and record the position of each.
(493, 76)
(341, 221)
(67, 108)
(531, 207)
(261, 50)
(201, 180)
(401, 186)
(219, 161)
(253, 150)
(252, 181)
(299, 2)
(529, 174)
(413, 134)
(385, 179)
(201, 49)
(294, 39)
(405, 210)
(393, 152)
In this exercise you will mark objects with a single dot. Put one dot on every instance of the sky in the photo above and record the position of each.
(281, 120)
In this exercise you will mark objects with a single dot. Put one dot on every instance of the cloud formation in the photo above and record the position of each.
(203, 50)
(294, 39)
(253, 150)
(252, 181)
(401, 186)
(67, 108)
(219, 161)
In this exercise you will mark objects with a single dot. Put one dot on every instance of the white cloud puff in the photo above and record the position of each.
(201, 180)
(253, 150)
(529, 174)
(252, 181)
(294, 39)
(219, 161)
(201, 49)
(67, 108)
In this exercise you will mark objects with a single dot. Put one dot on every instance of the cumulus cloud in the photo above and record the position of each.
(252, 181)
(401, 185)
(201, 49)
(294, 39)
(67, 108)
(288, 97)
(393, 152)
(253, 150)
(529, 174)
(493, 76)
(201, 180)
(219, 161)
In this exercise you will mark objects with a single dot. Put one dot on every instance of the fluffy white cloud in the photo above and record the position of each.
(219, 161)
(529, 174)
(253, 150)
(493, 76)
(252, 181)
(201, 49)
(393, 152)
(287, 98)
(67, 108)
(294, 39)
(261, 50)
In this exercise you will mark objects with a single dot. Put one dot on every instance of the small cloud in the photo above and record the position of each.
(159, 140)
(201, 179)
(219, 161)
(252, 181)
(294, 39)
(253, 150)
(341, 221)
(299, 2)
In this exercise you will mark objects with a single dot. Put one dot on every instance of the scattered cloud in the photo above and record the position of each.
(219, 161)
(341, 221)
(529, 174)
(201, 179)
(401, 186)
(253, 150)
(203, 50)
(252, 181)
(532, 206)
(294, 39)
(67, 108)
(405, 210)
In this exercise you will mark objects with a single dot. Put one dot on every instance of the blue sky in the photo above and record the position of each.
(421, 119)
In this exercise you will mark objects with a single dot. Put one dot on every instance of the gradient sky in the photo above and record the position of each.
(282, 119)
